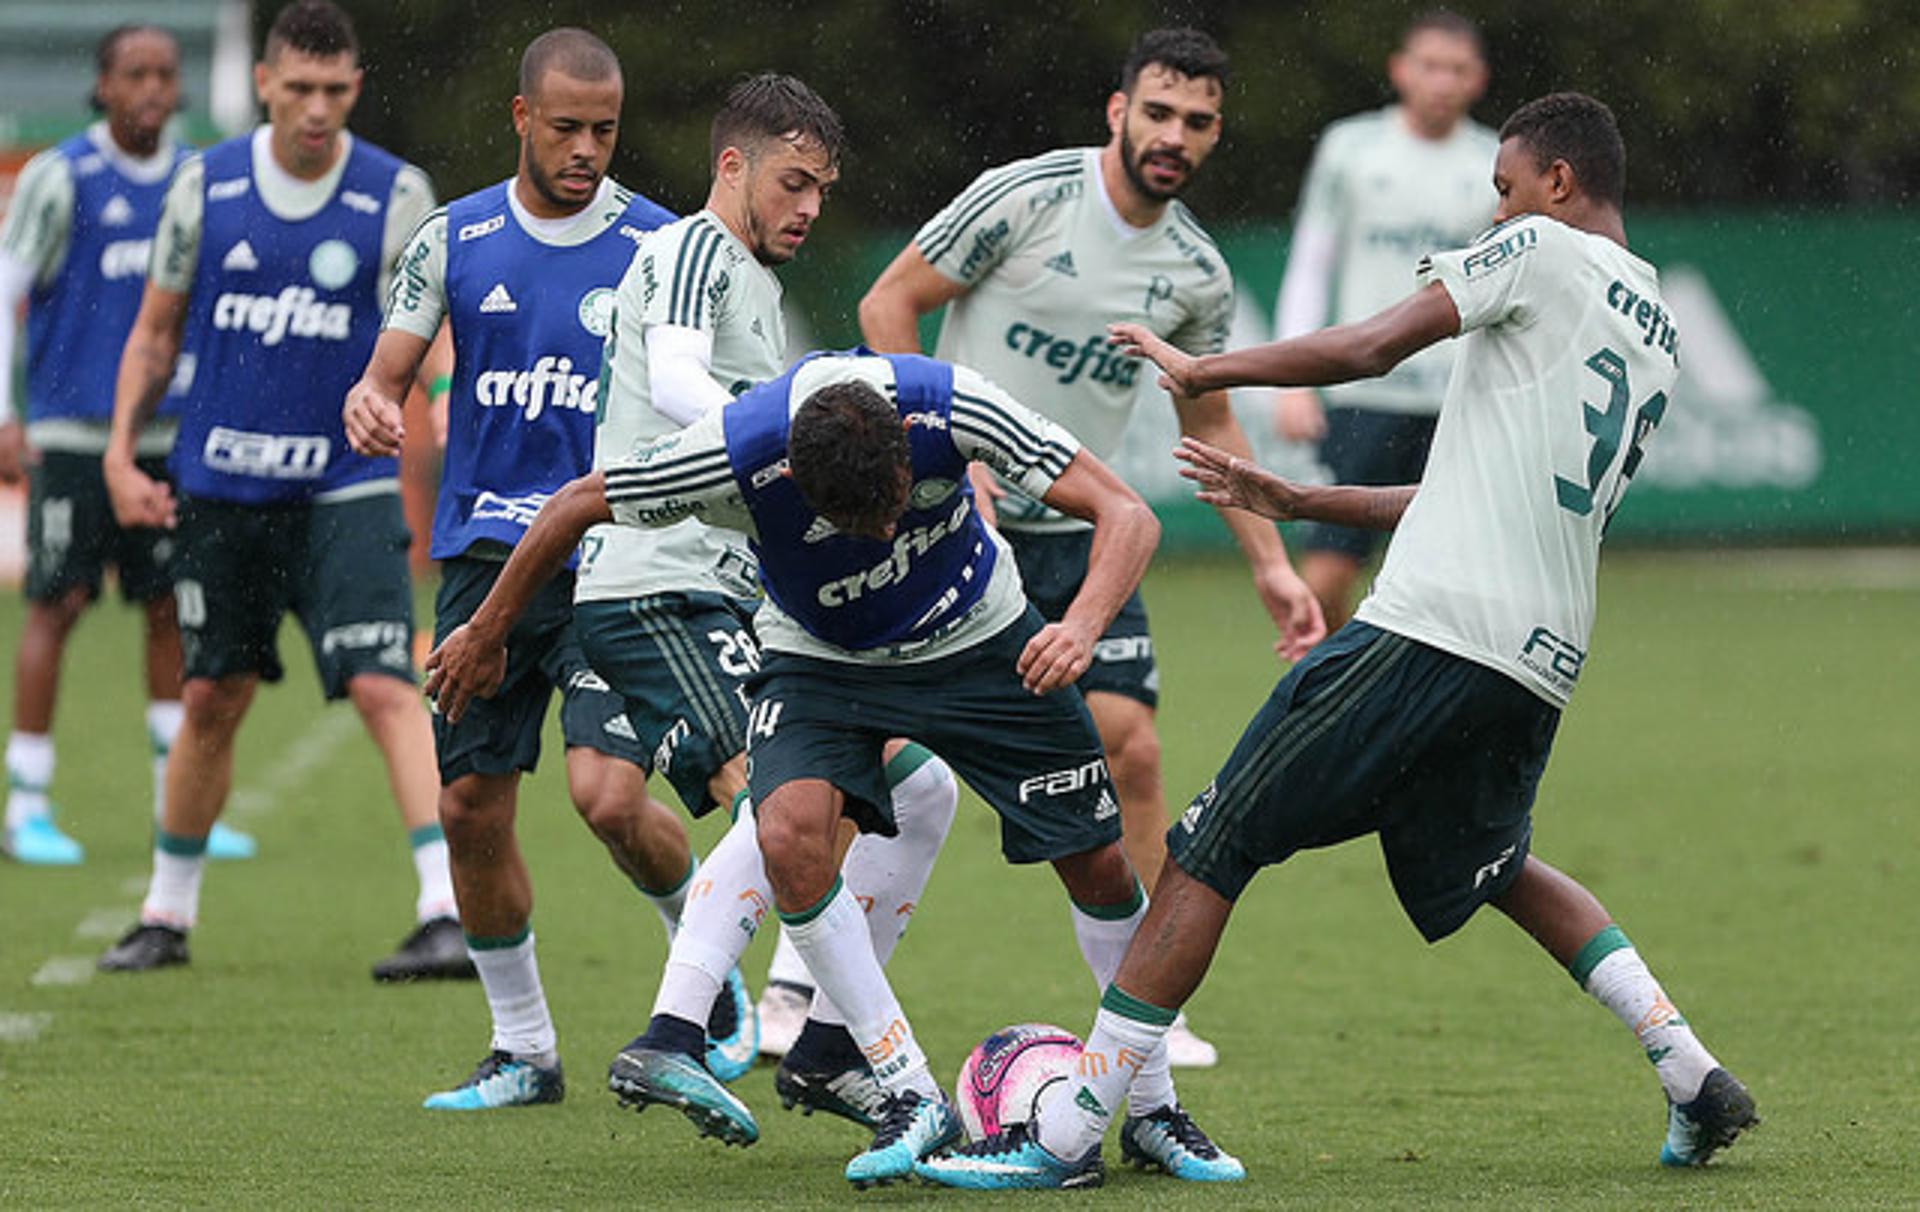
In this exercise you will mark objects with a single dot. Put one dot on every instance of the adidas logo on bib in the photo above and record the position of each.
(240, 257)
(498, 300)
(118, 212)
(1063, 264)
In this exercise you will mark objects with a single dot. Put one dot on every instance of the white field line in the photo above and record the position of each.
(63, 970)
(109, 923)
(298, 764)
(19, 1028)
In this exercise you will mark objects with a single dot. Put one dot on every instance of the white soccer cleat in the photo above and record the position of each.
(783, 1013)
(1185, 1050)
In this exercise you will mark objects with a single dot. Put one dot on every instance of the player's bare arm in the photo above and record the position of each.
(472, 661)
(146, 365)
(1125, 532)
(1364, 349)
(373, 413)
(1227, 479)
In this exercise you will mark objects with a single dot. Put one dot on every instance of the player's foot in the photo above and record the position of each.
(852, 1093)
(911, 1127)
(145, 948)
(1011, 1159)
(502, 1080)
(642, 1077)
(1169, 1140)
(1185, 1050)
(230, 844)
(38, 842)
(733, 1031)
(1697, 1130)
(783, 1013)
(436, 950)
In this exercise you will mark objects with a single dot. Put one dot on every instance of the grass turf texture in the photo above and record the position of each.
(1730, 781)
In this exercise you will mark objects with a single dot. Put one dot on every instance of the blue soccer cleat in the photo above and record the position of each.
(733, 1031)
(911, 1127)
(502, 1080)
(230, 845)
(1717, 1115)
(1011, 1160)
(1169, 1140)
(38, 842)
(643, 1077)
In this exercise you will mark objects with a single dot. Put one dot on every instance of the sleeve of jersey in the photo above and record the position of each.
(40, 217)
(1489, 281)
(1207, 327)
(176, 242)
(1023, 447)
(673, 279)
(417, 300)
(681, 475)
(973, 232)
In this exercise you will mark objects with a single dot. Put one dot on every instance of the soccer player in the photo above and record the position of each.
(1429, 718)
(75, 247)
(665, 617)
(893, 610)
(1032, 261)
(523, 273)
(1385, 188)
(261, 304)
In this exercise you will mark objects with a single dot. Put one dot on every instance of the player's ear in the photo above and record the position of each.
(1116, 112)
(520, 115)
(1562, 184)
(262, 74)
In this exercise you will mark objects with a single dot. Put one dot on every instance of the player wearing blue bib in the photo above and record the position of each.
(893, 611)
(262, 303)
(523, 273)
(75, 245)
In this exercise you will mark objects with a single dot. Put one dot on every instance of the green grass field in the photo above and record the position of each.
(1735, 780)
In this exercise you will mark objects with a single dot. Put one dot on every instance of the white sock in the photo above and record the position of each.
(430, 866)
(29, 774)
(1618, 979)
(164, 717)
(724, 906)
(888, 874)
(1074, 1115)
(511, 975)
(673, 902)
(1103, 937)
(787, 966)
(173, 894)
(833, 940)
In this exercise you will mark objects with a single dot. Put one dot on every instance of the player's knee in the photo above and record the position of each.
(471, 809)
(56, 616)
(380, 699)
(1097, 877)
(798, 855)
(212, 706)
(1133, 755)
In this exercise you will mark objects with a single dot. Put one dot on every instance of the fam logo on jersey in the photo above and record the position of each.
(596, 311)
(1092, 357)
(551, 383)
(125, 259)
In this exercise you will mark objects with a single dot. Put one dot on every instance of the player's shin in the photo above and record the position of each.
(1104, 933)
(1610, 970)
(725, 904)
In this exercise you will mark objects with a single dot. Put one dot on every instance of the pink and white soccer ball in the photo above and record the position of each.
(1001, 1082)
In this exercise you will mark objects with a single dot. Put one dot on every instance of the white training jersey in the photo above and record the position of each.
(1566, 359)
(1391, 197)
(1048, 263)
(693, 273)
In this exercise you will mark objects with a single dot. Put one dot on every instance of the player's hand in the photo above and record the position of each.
(15, 455)
(1298, 416)
(1229, 480)
(986, 493)
(1294, 609)
(465, 666)
(1176, 366)
(1055, 657)
(373, 422)
(138, 499)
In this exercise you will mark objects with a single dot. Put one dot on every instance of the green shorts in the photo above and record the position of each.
(72, 537)
(680, 661)
(340, 567)
(1377, 733)
(1036, 759)
(500, 735)
(1052, 567)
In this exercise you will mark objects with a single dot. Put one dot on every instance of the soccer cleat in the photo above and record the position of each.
(145, 948)
(912, 1126)
(1185, 1050)
(642, 1077)
(852, 1094)
(783, 1014)
(733, 1031)
(436, 950)
(1717, 1115)
(38, 842)
(230, 844)
(502, 1080)
(1011, 1160)
(1169, 1140)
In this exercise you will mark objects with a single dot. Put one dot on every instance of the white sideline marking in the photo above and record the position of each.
(108, 923)
(298, 764)
(16, 1028)
(64, 970)
(134, 885)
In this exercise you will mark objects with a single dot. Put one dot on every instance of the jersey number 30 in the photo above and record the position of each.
(1607, 426)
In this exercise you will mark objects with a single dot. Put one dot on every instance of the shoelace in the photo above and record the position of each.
(495, 1062)
(1010, 1139)
(1185, 1133)
(897, 1119)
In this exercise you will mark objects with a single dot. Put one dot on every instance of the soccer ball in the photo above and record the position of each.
(1001, 1082)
